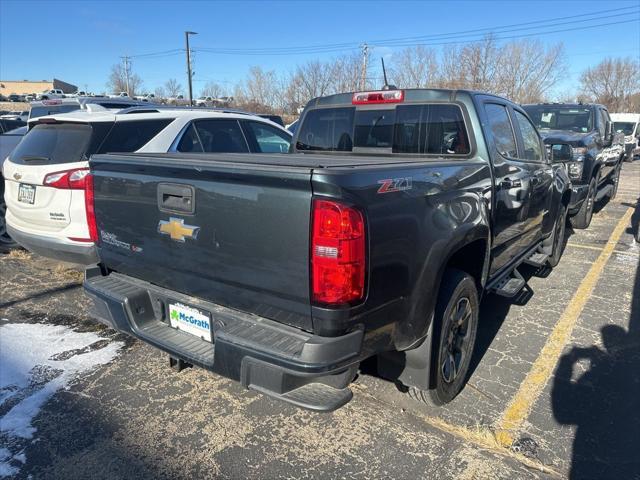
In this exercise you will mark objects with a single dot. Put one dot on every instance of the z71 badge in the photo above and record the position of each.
(389, 185)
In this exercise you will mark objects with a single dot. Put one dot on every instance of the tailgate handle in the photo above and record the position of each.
(176, 198)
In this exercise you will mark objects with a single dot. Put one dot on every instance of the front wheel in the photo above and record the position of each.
(456, 316)
(582, 219)
(559, 231)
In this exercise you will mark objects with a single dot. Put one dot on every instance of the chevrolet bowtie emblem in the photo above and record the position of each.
(17, 176)
(177, 230)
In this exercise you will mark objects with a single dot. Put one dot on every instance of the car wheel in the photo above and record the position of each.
(456, 317)
(615, 181)
(6, 242)
(559, 231)
(582, 219)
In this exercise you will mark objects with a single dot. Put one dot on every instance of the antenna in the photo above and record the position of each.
(386, 85)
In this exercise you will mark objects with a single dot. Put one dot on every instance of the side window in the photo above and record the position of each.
(268, 139)
(602, 122)
(190, 141)
(128, 136)
(501, 130)
(532, 148)
(221, 136)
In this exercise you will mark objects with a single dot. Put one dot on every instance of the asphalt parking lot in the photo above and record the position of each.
(555, 388)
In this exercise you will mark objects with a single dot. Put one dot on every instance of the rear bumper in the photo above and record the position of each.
(283, 362)
(578, 195)
(54, 247)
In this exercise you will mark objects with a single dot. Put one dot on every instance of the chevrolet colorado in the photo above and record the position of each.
(596, 149)
(377, 235)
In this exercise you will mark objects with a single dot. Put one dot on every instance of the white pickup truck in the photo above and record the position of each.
(49, 94)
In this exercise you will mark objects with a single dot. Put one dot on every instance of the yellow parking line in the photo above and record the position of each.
(530, 389)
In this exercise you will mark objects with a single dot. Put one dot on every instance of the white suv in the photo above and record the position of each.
(45, 175)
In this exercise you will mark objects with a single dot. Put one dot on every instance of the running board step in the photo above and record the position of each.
(538, 260)
(314, 396)
(510, 285)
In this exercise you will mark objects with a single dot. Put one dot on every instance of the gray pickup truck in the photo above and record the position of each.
(376, 236)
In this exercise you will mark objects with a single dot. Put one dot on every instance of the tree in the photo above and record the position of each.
(613, 82)
(473, 66)
(159, 92)
(346, 73)
(173, 88)
(212, 89)
(118, 81)
(527, 70)
(414, 67)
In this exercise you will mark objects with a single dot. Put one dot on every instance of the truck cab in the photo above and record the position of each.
(596, 152)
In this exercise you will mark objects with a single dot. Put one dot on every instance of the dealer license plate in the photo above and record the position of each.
(190, 320)
(26, 193)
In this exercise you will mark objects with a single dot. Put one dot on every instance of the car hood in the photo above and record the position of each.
(563, 136)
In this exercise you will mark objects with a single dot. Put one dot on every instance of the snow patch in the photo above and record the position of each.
(37, 360)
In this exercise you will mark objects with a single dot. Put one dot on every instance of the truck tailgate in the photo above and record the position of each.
(235, 233)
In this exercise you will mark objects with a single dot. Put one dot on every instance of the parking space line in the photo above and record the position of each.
(599, 249)
(530, 389)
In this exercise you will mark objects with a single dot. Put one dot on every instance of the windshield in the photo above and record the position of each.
(53, 143)
(553, 117)
(624, 127)
(436, 129)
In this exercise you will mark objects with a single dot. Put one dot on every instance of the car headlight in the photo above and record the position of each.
(575, 167)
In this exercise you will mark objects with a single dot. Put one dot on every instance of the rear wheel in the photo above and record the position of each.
(582, 219)
(456, 316)
(6, 242)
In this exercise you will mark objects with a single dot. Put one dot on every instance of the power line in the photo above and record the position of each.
(323, 48)
(474, 40)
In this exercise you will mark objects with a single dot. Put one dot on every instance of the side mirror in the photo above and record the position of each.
(561, 152)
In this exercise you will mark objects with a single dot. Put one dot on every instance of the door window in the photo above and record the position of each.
(501, 130)
(190, 141)
(221, 136)
(532, 148)
(269, 139)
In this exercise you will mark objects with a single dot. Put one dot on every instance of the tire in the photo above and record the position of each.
(456, 318)
(582, 219)
(6, 242)
(615, 182)
(559, 231)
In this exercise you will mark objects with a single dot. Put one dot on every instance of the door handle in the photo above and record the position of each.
(508, 183)
(176, 198)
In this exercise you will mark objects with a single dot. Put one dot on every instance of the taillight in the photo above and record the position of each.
(68, 179)
(383, 96)
(89, 206)
(337, 253)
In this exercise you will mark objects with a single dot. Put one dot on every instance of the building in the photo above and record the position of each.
(24, 87)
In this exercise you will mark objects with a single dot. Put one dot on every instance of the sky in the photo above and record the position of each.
(79, 41)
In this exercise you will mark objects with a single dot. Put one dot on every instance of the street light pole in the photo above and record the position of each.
(186, 36)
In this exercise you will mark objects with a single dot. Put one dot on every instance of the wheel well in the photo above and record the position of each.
(594, 173)
(470, 258)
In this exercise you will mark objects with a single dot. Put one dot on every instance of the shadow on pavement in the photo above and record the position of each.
(43, 293)
(598, 390)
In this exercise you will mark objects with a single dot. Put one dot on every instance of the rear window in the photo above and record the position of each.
(53, 143)
(436, 129)
(41, 111)
(131, 136)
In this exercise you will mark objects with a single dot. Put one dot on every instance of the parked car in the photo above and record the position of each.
(50, 94)
(274, 118)
(45, 174)
(597, 151)
(23, 116)
(204, 101)
(178, 100)
(628, 124)
(9, 138)
(377, 237)
(147, 97)
(65, 105)
(293, 126)
(14, 97)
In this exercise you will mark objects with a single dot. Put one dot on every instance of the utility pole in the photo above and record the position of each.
(189, 79)
(365, 55)
(125, 60)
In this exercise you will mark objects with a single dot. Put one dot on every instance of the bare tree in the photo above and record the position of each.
(160, 93)
(527, 70)
(414, 67)
(173, 88)
(118, 81)
(473, 66)
(212, 89)
(313, 79)
(613, 82)
(346, 73)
